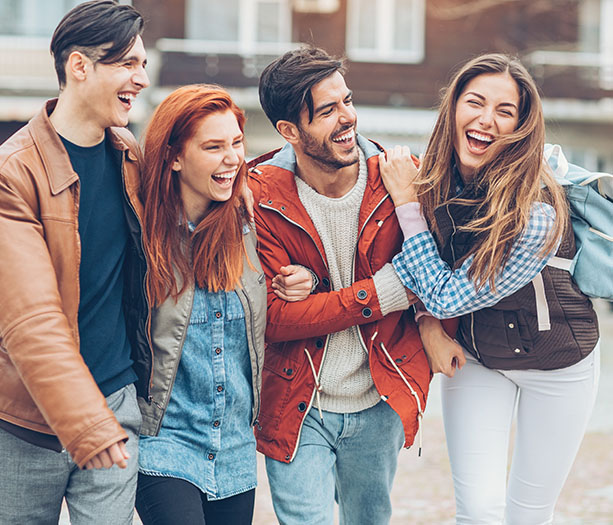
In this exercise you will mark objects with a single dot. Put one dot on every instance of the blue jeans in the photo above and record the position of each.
(351, 458)
(34, 480)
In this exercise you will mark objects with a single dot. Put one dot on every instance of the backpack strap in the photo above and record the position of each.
(561, 263)
(542, 308)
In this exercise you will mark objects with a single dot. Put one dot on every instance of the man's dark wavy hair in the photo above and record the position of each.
(285, 84)
(103, 30)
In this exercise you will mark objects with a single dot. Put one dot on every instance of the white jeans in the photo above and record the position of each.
(553, 408)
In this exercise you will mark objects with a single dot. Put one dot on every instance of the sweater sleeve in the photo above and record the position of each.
(390, 290)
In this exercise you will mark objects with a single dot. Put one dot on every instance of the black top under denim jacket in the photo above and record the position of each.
(506, 336)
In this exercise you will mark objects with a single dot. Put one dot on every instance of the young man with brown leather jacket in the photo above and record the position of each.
(345, 377)
(69, 419)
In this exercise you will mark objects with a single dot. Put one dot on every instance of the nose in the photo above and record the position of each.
(232, 157)
(347, 115)
(486, 118)
(141, 78)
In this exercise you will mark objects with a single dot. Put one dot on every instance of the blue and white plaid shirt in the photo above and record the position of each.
(448, 293)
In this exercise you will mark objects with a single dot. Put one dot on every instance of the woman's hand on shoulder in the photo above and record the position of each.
(398, 172)
(293, 283)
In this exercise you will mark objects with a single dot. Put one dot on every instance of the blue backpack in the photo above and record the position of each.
(590, 198)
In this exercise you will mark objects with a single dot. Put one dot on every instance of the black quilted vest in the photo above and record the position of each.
(506, 336)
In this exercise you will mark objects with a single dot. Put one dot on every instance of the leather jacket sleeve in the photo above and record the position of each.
(36, 335)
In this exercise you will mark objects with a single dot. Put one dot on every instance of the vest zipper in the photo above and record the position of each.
(472, 315)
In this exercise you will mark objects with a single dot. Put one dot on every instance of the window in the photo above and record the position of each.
(606, 44)
(386, 30)
(32, 18)
(596, 37)
(239, 25)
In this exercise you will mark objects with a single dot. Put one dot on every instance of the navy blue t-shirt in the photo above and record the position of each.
(104, 236)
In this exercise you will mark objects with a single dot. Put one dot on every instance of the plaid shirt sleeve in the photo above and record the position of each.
(448, 293)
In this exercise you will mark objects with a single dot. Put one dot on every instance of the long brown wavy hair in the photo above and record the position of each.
(512, 177)
(211, 255)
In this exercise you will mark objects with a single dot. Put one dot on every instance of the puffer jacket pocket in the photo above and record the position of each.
(278, 375)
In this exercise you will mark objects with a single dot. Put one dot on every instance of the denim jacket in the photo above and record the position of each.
(169, 324)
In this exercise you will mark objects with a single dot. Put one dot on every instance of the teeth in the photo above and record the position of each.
(225, 175)
(344, 136)
(479, 136)
(128, 97)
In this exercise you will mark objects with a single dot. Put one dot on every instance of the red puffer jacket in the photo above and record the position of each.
(286, 235)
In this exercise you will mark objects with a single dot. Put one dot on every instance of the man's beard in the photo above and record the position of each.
(323, 154)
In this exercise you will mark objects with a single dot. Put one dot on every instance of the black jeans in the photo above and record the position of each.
(167, 501)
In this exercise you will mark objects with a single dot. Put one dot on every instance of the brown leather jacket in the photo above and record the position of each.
(44, 383)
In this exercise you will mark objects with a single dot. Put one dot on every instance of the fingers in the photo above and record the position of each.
(291, 297)
(461, 358)
(116, 454)
(411, 297)
(293, 277)
(458, 360)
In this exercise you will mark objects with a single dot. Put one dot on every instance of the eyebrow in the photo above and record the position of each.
(479, 96)
(319, 109)
(221, 141)
(132, 58)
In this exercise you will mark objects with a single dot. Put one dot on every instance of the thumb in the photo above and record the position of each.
(287, 270)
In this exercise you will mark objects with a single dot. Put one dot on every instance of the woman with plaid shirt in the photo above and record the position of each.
(481, 219)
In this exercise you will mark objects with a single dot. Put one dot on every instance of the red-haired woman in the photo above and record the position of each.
(197, 450)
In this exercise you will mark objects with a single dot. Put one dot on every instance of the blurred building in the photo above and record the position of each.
(400, 52)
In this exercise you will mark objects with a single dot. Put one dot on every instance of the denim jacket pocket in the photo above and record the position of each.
(199, 308)
(234, 308)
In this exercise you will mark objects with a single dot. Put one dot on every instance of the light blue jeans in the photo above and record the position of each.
(351, 458)
(34, 480)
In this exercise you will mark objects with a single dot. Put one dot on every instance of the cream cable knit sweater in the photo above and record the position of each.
(345, 378)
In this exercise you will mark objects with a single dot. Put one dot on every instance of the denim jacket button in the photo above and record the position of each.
(302, 406)
(218, 350)
(366, 312)
(211, 456)
(362, 294)
(216, 423)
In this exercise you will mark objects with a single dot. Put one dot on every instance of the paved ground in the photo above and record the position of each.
(423, 491)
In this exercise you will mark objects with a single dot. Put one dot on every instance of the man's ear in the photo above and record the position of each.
(77, 66)
(289, 131)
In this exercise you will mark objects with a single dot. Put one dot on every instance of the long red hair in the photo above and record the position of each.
(211, 255)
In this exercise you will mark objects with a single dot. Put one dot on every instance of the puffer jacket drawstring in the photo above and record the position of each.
(317, 386)
(420, 413)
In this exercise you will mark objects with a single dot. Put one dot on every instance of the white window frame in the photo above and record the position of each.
(30, 10)
(383, 27)
(246, 43)
(606, 44)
